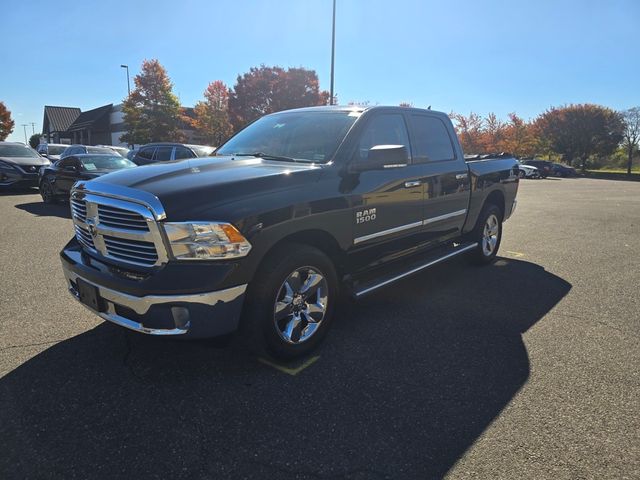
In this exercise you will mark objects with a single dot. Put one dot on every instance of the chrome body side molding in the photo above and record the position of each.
(408, 226)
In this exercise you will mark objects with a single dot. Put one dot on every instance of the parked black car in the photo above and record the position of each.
(81, 149)
(544, 167)
(51, 150)
(19, 165)
(164, 152)
(296, 207)
(57, 179)
(560, 170)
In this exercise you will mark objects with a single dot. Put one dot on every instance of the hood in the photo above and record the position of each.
(40, 161)
(188, 188)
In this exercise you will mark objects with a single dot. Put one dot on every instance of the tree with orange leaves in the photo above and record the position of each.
(211, 116)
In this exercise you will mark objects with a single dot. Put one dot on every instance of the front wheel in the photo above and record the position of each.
(290, 302)
(46, 192)
(521, 174)
(488, 234)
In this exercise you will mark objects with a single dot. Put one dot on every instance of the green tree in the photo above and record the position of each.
(211, 116)
(265, 90)
(6, 123)
(34, 140)
(631, 134)
(152, 113)
(579, 131)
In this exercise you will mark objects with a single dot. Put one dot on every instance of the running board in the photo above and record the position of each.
(360, 290)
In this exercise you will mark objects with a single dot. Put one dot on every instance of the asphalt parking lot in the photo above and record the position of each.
(529, 368)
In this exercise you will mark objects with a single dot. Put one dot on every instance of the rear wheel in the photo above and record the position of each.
(290, 302)
(46, 192)
(488, 234)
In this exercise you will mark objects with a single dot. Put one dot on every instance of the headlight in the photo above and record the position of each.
(206, 241)
(6, 166)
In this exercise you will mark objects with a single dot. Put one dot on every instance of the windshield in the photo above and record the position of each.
(120, 151)
(17, 151)
(106, 162)
(202, 151)
(55, 149)
(99, 150)
(309, 136)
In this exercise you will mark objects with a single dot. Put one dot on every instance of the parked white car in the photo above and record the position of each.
(528, 171)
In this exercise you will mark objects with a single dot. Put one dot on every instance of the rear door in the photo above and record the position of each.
(446, 177)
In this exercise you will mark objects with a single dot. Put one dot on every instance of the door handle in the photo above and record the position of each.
(413, 183)
(461, 176)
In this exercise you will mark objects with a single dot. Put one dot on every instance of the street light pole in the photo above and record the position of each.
(33, 128)
(333, 49)
(128, 83)
(25, 125)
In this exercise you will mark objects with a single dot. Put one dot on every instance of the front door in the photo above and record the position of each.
(388, 203)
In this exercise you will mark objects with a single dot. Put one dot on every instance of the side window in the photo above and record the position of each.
(163, 154)
(432, 142)
(145, 154)
(69, 162)
(183, 152)
(384, 129)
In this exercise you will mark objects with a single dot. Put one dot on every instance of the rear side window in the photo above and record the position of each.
(432, 142)
(163, 154)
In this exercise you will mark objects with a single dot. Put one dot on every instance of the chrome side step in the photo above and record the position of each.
(360, 291)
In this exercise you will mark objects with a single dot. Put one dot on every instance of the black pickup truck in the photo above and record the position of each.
(295, 209)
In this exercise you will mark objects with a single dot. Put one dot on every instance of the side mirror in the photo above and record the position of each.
(70, 168)
(380, 157)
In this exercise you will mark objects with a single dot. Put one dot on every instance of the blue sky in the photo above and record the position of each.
(499, 56)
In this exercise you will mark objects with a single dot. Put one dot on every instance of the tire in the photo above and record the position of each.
(284, 315)
(521, 174)
(46, 192)
(488, 234)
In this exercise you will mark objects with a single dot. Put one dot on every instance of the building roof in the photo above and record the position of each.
(90, 117)
(58, 119)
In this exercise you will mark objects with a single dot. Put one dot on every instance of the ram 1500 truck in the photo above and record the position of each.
(297, 207)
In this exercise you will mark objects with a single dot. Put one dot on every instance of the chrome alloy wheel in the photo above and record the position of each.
(301, 305)
(490, 235)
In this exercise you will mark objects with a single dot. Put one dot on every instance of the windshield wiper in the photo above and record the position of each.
(267, 156)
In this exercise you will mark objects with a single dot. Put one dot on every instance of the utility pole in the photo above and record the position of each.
(128, 83)
(33, 128)
(333, 49)
(25, 125)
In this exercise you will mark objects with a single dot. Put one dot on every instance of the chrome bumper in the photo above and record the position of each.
(141, 305)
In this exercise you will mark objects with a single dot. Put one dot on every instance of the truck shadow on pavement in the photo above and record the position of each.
(42, 209)
(406, 381)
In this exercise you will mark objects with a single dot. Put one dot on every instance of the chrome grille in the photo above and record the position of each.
(131, 249)
(117, 229)
(120, 218)
(79, 209)
(84, 236)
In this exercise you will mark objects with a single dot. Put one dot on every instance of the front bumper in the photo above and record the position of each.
(190, 315)
(18, 178)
